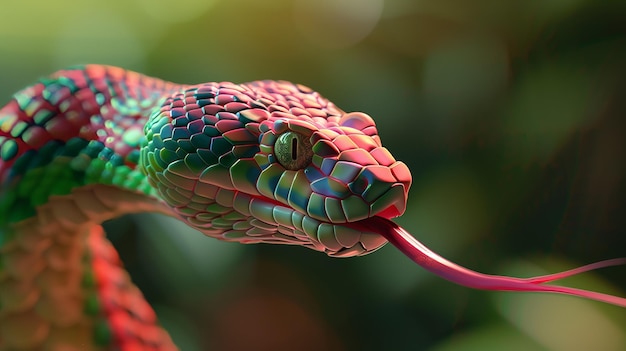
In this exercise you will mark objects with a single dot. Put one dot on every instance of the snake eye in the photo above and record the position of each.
(293, 150)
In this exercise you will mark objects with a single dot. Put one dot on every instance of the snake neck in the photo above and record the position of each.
(76, 128)
(68, 161)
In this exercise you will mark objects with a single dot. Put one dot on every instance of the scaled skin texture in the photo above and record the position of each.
(262, 162)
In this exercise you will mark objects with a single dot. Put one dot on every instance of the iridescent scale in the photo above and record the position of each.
(95, 142)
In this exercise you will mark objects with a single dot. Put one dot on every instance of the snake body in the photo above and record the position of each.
(260, 162)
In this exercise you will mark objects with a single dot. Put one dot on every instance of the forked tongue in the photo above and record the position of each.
(438, 265)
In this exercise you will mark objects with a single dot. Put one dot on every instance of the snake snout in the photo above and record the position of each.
(384, 188)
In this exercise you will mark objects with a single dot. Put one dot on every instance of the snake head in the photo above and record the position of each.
(273, 162)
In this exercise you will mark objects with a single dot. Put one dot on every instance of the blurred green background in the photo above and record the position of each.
(510, 115)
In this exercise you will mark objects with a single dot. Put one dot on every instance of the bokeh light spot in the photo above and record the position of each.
(464, 72)
(105, 38)
(332, 24)
(559, 323)
(174, 12)
(550, 103)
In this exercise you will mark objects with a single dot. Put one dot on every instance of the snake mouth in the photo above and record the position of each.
(271, 222)
(377, 225)
(350, 239)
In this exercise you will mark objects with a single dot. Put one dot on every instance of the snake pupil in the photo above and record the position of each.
(294, 149)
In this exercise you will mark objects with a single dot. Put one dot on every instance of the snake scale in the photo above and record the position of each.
(260, 162)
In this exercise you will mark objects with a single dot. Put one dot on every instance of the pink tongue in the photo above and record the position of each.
(434, 263)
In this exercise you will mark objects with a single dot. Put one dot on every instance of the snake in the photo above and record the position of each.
(259, 162)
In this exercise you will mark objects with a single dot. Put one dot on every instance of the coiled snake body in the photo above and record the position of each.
(261, 162)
